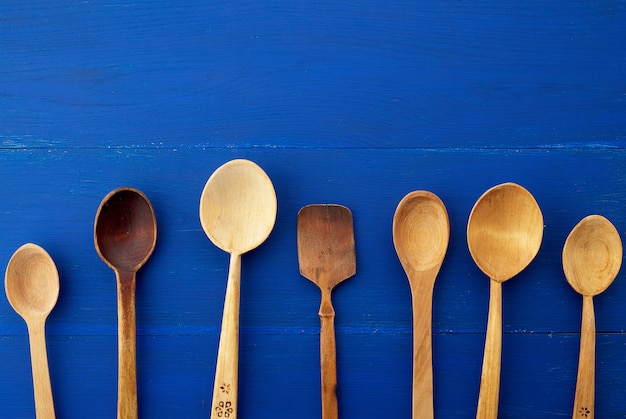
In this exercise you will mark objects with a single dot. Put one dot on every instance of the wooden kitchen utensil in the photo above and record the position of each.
(31, 283)
(326, 256)
(421, 231)
(237, 212)
(592, 257)
(125, 236)
(504, 233)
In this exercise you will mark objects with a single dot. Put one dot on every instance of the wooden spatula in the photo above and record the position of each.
(326, 257)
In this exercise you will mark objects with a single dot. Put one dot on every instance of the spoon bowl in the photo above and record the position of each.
(125, 237)
(238, 206)
(592, 257)
(125, 229)
(504, 233)
(32, 282)
(421, 231)
(32, 287)
(237, 212)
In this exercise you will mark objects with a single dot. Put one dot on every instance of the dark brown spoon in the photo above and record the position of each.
(327, 257)
(125, 236)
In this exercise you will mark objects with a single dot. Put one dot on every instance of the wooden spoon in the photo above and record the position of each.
(31, 283)
(421, 231)
(237, 212)
(326, 256)
(592, 257)
(125, 236)
(504, 234)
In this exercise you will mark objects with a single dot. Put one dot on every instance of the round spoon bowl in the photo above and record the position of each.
(238, 206)
(504, 231)
(421, 231)
(592, 255)
(125, 229)
(32, 281)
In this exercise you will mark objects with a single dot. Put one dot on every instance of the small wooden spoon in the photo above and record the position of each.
(125, 236)
(504, 234)
(421, 231)
(327, 257)
(31, 283)
(592, 257)
(237, 212)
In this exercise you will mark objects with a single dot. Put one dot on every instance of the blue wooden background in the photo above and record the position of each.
(354, 102)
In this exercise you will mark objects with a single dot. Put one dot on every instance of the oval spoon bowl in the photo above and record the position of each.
(592, 255)
(32, 281)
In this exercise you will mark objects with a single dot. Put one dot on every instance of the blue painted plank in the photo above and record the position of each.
(49, 196)
(280, 375)
(312, 74)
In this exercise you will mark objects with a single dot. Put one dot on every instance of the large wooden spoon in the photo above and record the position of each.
(31, 283)
(327, 257)
(421, 231)
(125, 236)
(592, 257)
(237, 212)
(504, 234)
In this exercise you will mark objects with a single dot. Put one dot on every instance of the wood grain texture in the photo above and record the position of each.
(393, 74)
(351, 102)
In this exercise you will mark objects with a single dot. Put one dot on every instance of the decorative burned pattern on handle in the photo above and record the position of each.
(224, 408)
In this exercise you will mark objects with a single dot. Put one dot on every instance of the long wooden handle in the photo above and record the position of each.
(126, 347)
(44, 405)
(585, 381)
(225, 387)
(490, 378)
(328, 357)
(423, 407)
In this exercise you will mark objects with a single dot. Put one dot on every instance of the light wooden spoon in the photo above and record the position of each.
(125, 236)
(421, 231)
(327, 257)
(504, 234)
(31, 283)
(592, 257)
(237, 212)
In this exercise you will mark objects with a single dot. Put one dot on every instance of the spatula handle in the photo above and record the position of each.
(328, 357)
(126, 347)
(585, 381)
(44, 405)
(225, 387)
(490, 378)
